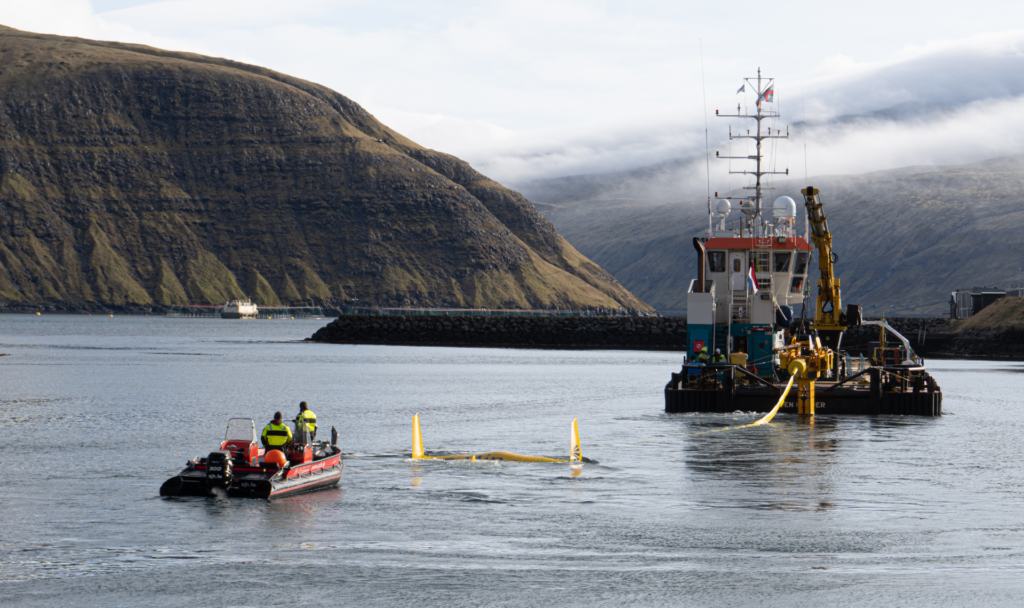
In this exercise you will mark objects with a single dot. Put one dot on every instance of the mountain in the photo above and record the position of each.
(905, 238)
(135, 176)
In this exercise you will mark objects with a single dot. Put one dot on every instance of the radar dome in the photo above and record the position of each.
(784, 207)
(724, 207)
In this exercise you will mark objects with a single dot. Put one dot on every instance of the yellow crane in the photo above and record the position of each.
(829, 319)
(812, 355)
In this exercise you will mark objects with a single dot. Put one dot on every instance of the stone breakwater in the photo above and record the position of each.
(624, 333)
(939, 337)
(987, 344)
(929, 337)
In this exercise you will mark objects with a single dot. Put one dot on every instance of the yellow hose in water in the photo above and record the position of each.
(775, 410)
(765, 420)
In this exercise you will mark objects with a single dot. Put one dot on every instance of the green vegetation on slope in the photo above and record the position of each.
(132, 175)
(114, 281)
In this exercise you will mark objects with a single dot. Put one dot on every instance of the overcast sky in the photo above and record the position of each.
(526, 89)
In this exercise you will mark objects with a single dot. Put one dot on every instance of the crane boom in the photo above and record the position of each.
(829, 319)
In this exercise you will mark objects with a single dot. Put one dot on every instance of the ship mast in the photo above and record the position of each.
(764, 87)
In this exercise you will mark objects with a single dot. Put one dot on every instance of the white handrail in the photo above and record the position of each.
(906, 343)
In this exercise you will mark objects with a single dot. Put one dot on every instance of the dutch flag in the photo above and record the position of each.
(752, 278)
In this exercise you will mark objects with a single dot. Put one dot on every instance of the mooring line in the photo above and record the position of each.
(764, 420)
(368, 462)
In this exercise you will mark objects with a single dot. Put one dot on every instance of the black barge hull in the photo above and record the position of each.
(886, 393)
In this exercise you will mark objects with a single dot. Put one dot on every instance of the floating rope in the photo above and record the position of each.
(367, 462)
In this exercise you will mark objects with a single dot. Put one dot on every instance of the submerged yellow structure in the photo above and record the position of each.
(575, 452)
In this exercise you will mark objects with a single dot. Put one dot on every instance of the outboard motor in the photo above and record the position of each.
(334, 437)
(218, 470)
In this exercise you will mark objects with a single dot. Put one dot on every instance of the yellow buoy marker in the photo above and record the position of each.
(417, 438)
(575, 451)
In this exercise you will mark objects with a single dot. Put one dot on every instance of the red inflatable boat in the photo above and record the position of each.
(240, 468)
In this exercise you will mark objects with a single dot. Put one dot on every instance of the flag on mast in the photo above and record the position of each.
(752, 278)
(768, 95)
(743, 87)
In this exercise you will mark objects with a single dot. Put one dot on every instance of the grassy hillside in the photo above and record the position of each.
(905, 238)
(1006, 314)
(134, 176)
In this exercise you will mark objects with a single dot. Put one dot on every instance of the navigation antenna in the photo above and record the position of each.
(707, 146)
(765, 92)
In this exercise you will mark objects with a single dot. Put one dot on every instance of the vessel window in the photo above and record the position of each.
(797, 285)
(782, 261)
(716, 261)
(736, 265)
(759, 260)
(801, 263)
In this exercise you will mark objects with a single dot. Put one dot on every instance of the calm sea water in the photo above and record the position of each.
(96, 412)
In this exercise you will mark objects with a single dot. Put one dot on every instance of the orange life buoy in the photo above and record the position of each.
(275, 457)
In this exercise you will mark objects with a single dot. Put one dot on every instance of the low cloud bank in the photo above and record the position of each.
(949, 103)
(535, 90)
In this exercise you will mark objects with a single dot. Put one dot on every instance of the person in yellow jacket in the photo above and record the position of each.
(276, 435)
(308, 418)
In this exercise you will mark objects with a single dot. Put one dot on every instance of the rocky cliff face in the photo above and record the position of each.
(131, 175)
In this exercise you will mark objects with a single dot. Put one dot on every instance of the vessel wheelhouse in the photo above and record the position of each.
(755, 283)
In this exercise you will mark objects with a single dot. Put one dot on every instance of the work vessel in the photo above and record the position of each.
(753, 268)
(239, 309)
(240, 468)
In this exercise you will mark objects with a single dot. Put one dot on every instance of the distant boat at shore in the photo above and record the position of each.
(243, 309)
(239, 309)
